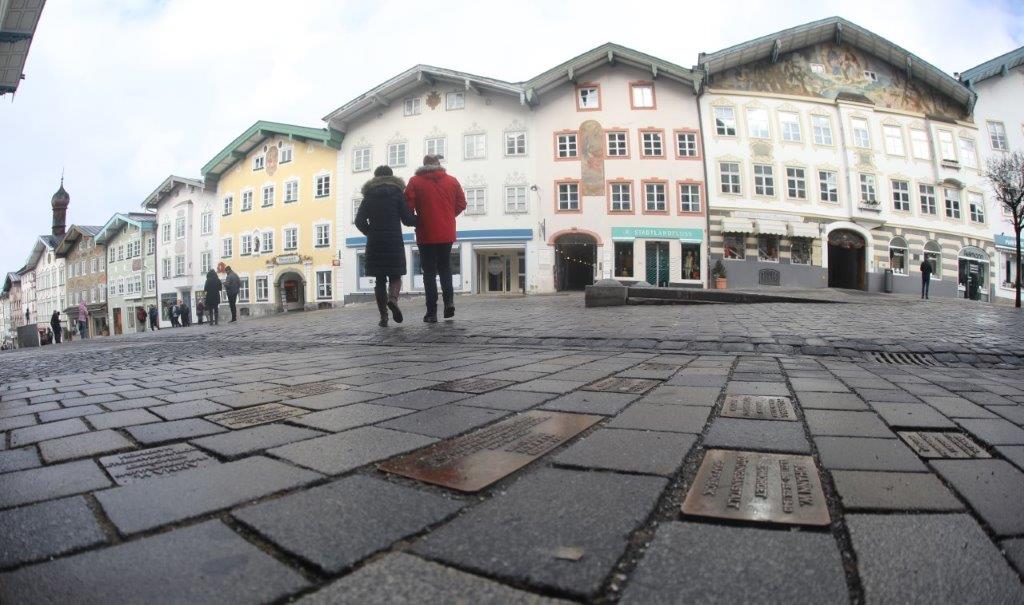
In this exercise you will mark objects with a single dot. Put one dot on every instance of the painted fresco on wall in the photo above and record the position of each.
(592, 160)
(842, 69)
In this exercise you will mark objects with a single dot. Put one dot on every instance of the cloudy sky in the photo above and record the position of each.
(122, 93)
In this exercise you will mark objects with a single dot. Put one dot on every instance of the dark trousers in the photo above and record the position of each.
(199, 314)
(231, 303)
(213, 313)
(926, 282)
(56, 332)
(435, 259)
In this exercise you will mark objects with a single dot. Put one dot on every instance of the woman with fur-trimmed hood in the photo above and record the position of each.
(380, 218)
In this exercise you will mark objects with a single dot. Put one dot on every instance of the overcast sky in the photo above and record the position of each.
(122, 93)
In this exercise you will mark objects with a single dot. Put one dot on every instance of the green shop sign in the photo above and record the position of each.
(631, 233)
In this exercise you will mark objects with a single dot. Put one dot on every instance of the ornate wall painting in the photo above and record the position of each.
(592, 158)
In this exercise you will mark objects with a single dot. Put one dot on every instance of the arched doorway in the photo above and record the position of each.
(575, 259)
(291, 288)
(847, 264)
(973, 268)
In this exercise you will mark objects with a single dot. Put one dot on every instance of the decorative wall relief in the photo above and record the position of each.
(433, 99)
(592, 157)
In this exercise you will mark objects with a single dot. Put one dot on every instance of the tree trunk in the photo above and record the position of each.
(1017, 299)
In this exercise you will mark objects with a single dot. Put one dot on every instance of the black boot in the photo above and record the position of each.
(382, 307)
(449, 308)
(396, 313)
(430, 317)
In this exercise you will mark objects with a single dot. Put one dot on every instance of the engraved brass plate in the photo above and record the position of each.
(473, 385)
(473, 461)
(255, 415)
(758, 407)
(619, 384)
(752, 486)
(947, 444)
(130, 467)
(308, 389)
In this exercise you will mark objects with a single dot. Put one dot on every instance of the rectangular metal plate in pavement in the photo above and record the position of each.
(130, 467)
(752, 486)
(619, 384)
(473, 461)
(758, 407)
(948, 444)
(473, 385)
(258, 414)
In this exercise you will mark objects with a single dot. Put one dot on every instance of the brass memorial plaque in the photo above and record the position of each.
(758, 407)
(473, 385)
(619, 384)
(948, 444)
(473, 461)
(130, 467)
(752, 486)
(255, 415)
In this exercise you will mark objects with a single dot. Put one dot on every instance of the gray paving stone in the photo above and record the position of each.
(545, 385)
(332, 399)
(847, 424)
(188, 409)
(19, 459)
(930, 559)
(401, 579)
(82, 445)
(993, 488)
(205, 563)
(986, 398)
(912, 416)
(242, 400)
(1013, 413)
(682, 395)
(684, 379)
(648, 452)
(1013, 453)
(173, 430)
(51, 430)
(829, 401)
(133, 404)
(38, 531)
(247, 441)
(113, 420)
(336, 525)
(757, 435)
(818, 385)
(444, 421)
(762, 566)
(872, 490)
(590, 402)
(66, 413)
(191, 395)
(757, 388)
(397, 385)
(21, 410)
(866, 454)
(672, 418)
(341, 419)
(1014, 550)
(91, 399)
(504, 399)
(341, 452)
(887, 396)
(423, 399)
(16, 422)
(991, 431)
(148, 504)
(517, 534)
(44, 483)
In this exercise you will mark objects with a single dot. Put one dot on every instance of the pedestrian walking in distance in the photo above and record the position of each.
(83, 318)
(55, 326)
(380, 218)
(437, 198)
(186, 313)
(232, 284)
(140, 319)
(212, 288)
(154, 318)
(200, 309)
(926, 277)
(175, 314)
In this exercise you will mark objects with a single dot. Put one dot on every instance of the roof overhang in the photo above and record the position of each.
(259, 132)
(18, 21)
(1000, 66)
(838, 30)
(153, 199)
(142, 221)
(574, 70)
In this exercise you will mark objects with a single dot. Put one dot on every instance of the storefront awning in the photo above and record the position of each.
(804, 230)
(1006, 242)
(732, 224)
(769, 227)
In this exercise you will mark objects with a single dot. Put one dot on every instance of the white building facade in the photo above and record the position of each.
(48, 290)
(131, 269)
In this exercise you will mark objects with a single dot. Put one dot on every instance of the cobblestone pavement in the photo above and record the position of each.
(140, 469)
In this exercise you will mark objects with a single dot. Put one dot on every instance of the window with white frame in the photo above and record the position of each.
(247, 200)
(226, 247)
(166, 266)
(822, 127)
(968, 153)
(515, 199)
(322, 235)
(997, 136)
(455, 100)
(952, 197)
(768, 248)
(515, 143)
(165, 233)
(568, 196)
(411, 106)
(229, 202)
(893, 137)
(933, 254)
(642, 95)
(618, 144)
(725, 121)
(589, 97)
(900, 195)
(397, 154)
(757, 123)
(871, 75)
(474, 146)
(179, 228)
(120, 287)
(286, 155)
(653, 145)
(291, 238)
(764, 179)
(361, 158)
(861, 134)
(796, 183)
(476, 200)
(291, 190)
(179, 265)
(734, 246)
(621, 196)
(113, 255)
(976, 207)
(566, 145)
(655, 197)
(689, 197)
(729, 176)
(946, 146)
(867, 189)
(262, 288)
(919, 144)
(322, 185)
(258, 162)
(268, 242)
(800, 250)
(245, 244)
(206, 223)
(205, 261)
(927, 195)
(243, 289)
(151, 283)
(267, 195)
(356, 203)
(435, 146)
(898, 255)
(789, 123)
(95, 264)
(135, 248)
(323, 284)
(686, 144)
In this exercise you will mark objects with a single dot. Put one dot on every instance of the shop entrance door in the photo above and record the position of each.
(846, 262)
(657, 263)
(575, 261)
(117, 321)
(292, 292)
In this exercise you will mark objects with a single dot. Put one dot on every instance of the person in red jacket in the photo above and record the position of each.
(437, 198)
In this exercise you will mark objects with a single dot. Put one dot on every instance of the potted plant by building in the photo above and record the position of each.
(718, 272)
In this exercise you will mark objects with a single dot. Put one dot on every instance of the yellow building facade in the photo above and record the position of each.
(276, 190)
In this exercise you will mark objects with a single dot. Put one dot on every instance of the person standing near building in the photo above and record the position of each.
(380, 218)
(154, 318)
(175, 314)
(437, 198)
(200, 309)
(55, 326)
(140, 319)
(212, 288)
(83, 318)
(186, 313)
(232, 284)
(926, 277)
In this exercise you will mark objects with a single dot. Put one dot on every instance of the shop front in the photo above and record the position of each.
(660, 256)
(973, 274)
(1009, 269)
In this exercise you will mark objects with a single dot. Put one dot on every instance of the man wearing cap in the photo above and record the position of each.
(437, 198)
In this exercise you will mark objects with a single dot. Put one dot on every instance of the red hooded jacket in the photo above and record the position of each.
(436, 198)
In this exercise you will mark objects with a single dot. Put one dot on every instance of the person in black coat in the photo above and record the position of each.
(380, 217)
(212, 288)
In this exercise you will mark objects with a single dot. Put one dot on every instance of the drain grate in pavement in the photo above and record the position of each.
(916, 359)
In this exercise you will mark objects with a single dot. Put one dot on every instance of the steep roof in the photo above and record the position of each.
(840, 30)
(76, 231)
(993, 67)
(42, 244)
(256, 134)
(143, 220)
(18, 21)
(153, 199)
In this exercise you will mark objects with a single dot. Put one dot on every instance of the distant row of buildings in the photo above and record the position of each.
(819, 156)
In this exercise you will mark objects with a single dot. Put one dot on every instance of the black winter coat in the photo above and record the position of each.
(212, 289)
(380, 218)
